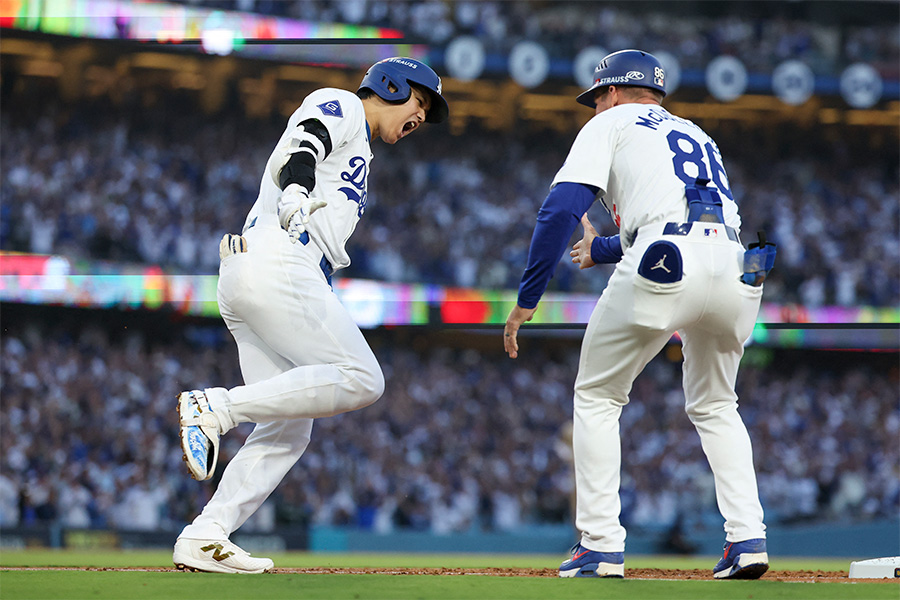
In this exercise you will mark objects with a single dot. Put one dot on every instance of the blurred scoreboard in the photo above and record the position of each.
(211, 31)
(59, 281)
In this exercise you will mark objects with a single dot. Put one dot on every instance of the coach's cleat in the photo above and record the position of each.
(199, 434)
(743, 560)
(217, 556)
(587, 563)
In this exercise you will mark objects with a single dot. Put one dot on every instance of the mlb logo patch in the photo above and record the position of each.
(709, 232)
(331, 109)
(659, 77)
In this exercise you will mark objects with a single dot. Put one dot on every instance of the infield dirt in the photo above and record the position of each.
(648, 574)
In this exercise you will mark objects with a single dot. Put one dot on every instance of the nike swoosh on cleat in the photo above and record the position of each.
(579, 555)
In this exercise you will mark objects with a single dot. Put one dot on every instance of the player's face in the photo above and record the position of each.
(407, 117)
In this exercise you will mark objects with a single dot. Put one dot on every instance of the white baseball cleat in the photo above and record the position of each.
(217, 556)
(199, 434)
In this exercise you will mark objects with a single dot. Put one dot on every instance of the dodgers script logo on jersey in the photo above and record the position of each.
(332, 109)
(357, 178)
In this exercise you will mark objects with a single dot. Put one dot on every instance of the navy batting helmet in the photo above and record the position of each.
(626, 67)
(390, 79)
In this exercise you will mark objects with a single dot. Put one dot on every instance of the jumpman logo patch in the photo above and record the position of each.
(661, 265)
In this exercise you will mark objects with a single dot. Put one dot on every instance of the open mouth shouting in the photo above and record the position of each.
(410, 126)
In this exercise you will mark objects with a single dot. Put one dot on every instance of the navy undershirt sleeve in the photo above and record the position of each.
(606, 249)
(559, 215)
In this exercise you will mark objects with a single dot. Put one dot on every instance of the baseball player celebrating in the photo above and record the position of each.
(680, 268)
(301, 354)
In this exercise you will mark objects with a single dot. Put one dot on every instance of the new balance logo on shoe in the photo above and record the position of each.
(217, 556)
(217, 551)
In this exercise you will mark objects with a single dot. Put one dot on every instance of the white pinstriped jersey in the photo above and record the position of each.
(341, 179)
(621, 151)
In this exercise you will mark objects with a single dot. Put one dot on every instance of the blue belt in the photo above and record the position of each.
(685, 228)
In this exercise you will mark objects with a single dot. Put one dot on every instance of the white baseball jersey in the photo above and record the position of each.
(641, 157)
(341, 179)
(641, 180)
(302, 355)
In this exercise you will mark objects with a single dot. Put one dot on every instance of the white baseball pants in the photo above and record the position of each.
(714, 313)
(302, 357)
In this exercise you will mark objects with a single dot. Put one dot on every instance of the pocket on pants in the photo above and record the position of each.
(655, 304)
(750, 299)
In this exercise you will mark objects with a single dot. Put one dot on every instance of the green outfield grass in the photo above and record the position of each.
(106, 585)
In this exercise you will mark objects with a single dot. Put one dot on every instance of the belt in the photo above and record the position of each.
(685, 228)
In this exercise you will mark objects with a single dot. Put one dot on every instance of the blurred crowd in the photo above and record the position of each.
(464, 439)
(761, 36)
(161, 185)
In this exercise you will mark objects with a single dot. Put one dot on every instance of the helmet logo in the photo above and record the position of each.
(659, 77)
(405, 63)
(626, 78)
(439, 86)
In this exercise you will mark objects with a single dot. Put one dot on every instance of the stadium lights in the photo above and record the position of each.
(218, 41)
(475, 100)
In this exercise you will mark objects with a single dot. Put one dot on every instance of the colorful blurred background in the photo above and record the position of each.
(133, 134)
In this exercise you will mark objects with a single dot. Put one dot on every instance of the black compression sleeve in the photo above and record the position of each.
(300, 168)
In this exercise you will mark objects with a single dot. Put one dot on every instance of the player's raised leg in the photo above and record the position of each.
(249, 478)
(326, 364)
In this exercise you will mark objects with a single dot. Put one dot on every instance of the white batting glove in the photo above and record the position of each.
(231, 243)
(294, 209)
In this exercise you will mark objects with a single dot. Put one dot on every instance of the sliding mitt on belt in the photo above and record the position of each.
(758, 261)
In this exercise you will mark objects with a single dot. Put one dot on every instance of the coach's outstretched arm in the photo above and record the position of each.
(556, 221)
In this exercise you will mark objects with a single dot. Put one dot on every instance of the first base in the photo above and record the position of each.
(876, 568)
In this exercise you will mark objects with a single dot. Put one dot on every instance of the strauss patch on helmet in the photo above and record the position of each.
(629, 76)
(406, 63)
